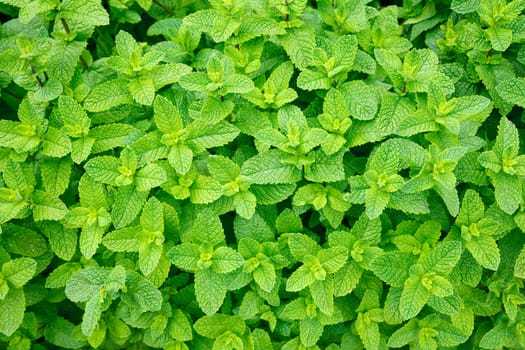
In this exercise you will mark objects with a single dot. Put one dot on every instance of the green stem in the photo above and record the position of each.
(164, 7)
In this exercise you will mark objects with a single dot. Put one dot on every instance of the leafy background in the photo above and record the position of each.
(245, 174)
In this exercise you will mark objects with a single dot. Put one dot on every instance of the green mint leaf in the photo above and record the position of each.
(485, 251)
(392, 267)
(92, 313)
(300, 279)
(107, 95)
(310, 331)
(323, 295)
(47, 206)
(185, 256)
(142, 293)
(268, 168)
(499, 37)
(19, 271)
(56, 175)
(511, 90)
(55, 143)
(142, 90)
(225, 260)
(127, 205)
(122, 240)
(443, 257)
(86, 283)
(210, 290)
(215, 325)
(463, 7)
(14, 305)
(76, 10)
(207, 229)
(413, 297)
(112, 135)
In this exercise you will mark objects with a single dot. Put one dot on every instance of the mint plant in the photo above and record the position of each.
(279, 174)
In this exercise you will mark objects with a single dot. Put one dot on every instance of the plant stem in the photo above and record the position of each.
(65, 25)
(164, 7)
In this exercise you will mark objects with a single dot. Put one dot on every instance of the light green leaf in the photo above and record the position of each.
(123, 240)
(195, 82)
(332, 259)
(203, 136)
(63, 241)
(104, 169)
(152, 218)
(141, 293)
(413, 297)
(345, 51)
(113, 135)
(55, 143)
(149, 257)
(392, 267)
(519, 265)
(63, 60)
(55, 175)
(300, 279)
(265, 276)
(299, 44)
(507, 192)
(215, 325)
(497, 337)
(443, 257)
(210, 290)
(404, 335)
(127, 205)
(90, 12)
(499, 37)
(86, 283)
(81, 148)
(323, 295)
(180, 158)
(313, 80)
(368, 332)
(179, 327)
(61, 333)
(485, 250)
(237, 84)
(205, 189)
(245, 203)
(107, 95)
(92, 313)
(185, 256)
(166, 116)
(18, 272)
(90, 239)
(267, 168)
(375, 202)
(207, 229)
(301, 245)
(13, 307)
(310, 330)
(225, 260)
(142, 90)
(47, 206)
(59, 277)
(326, 168)
(150, 176)
(19, 176)
(465, 6)
(472, 209)
(363, 99)
(512, 90)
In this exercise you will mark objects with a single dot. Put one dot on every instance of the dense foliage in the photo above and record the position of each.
(249, 174)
